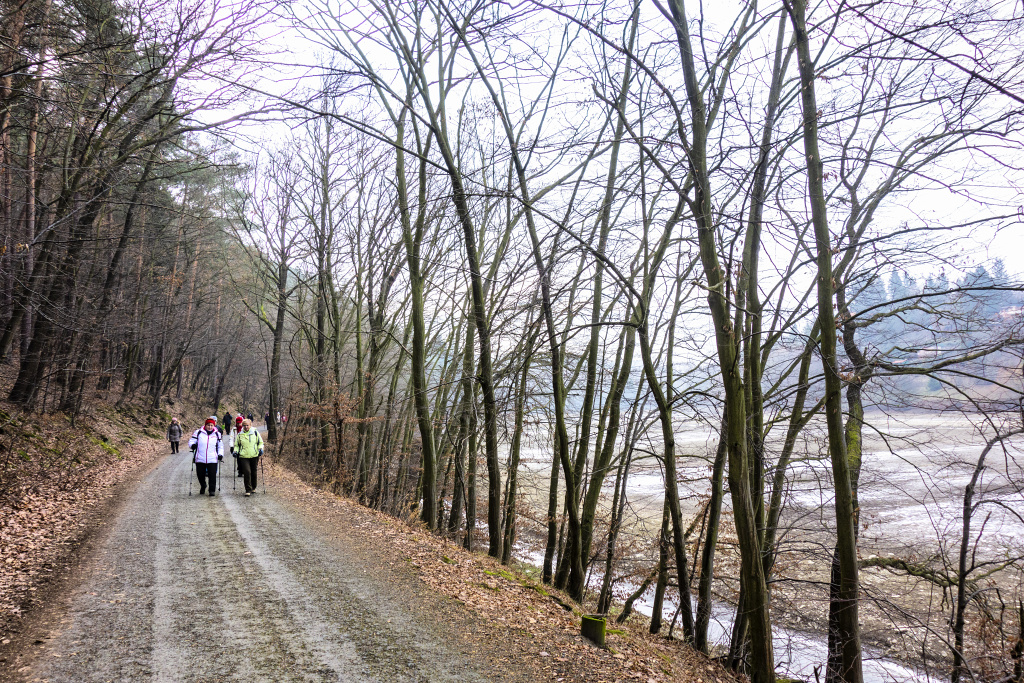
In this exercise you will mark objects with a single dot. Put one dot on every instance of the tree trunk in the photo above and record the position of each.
(753, 581)
(848, 624)
(412, 242)
(664, 548)
(604, 601)
(462, 443)
(963, 570)
(471, 458)
(707, 558)
(603, 461)
(513, 465)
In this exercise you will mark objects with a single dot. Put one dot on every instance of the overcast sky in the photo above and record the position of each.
(292, 71)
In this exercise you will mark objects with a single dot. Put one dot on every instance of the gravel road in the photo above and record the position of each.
(231, 588)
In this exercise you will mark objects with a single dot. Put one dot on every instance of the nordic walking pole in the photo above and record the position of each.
(263, 474)
(234, 479)
(193, 449)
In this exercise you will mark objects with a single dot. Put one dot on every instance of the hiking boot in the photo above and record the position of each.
(247, 494)
(202, 490)
(212, 493)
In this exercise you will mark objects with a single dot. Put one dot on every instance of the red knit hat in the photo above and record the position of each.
(210, 421)
(238, 420)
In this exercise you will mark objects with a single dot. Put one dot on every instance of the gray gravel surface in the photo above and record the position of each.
(229, 588)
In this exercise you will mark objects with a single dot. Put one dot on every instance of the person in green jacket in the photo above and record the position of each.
(249, 448)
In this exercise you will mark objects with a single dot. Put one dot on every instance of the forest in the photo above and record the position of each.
(710, 313)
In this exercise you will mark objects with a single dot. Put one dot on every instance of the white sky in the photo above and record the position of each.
(292, 66)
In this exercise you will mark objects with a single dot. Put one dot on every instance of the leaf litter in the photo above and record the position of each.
(522, 623)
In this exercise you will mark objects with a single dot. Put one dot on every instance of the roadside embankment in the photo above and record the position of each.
(531, 622)
(58, 477)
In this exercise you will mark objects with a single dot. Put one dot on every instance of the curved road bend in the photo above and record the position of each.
(240, 589)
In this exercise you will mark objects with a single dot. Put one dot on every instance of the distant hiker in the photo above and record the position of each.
(229, 438)
(227, 423)
(249, 417)
(249, 447)
(206, 449)
(174, 434)
(234, 440)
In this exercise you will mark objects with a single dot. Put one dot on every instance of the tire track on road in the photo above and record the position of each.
(227, 588)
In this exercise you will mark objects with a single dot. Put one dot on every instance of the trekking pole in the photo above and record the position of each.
(190, 472)
(263, 474)
(234, 479)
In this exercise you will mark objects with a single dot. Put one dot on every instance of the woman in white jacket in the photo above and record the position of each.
(206, 453)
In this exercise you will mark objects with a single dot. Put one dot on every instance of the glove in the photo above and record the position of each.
(193, 447)
(261, 451)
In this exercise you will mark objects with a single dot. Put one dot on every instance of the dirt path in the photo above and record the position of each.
(231, 588)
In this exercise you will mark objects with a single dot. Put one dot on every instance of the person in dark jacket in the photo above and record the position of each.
(174, 434)
(231, 442)
(206, 449)
(228, 423)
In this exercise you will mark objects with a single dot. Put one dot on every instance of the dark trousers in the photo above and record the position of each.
(174, 447)
(204, 470)
(248, 467)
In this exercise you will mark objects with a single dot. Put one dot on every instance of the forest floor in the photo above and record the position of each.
(109, 570)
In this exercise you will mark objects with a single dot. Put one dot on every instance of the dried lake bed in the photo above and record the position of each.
(914, 472)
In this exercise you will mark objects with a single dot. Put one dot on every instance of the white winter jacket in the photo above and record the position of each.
(207, 445)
